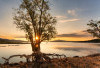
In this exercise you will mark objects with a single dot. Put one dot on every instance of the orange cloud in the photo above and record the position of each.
(77, 36)
(6, 37)
(70, 20)
(61, 17)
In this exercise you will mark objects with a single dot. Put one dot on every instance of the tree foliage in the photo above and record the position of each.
(94, 28)
(34, 19)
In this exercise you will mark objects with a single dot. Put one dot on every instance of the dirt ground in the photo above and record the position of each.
(69, 62)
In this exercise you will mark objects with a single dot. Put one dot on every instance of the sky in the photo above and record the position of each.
(72, 18)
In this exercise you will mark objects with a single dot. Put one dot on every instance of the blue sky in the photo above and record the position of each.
(72, 17)
(84, 10)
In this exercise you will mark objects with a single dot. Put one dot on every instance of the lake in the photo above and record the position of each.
(70, 49)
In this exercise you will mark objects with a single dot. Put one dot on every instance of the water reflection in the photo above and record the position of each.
(68, 48)
(2, 46)
(74, 48)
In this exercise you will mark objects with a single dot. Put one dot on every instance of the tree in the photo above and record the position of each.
(34, 19)
(94, 28)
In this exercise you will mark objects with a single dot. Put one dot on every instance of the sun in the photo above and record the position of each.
(36, 37)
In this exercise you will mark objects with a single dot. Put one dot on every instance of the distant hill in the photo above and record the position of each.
(7, 41)
(88, 41)
(94, 41)
(59, 41)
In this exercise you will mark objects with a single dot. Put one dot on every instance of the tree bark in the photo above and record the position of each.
(37, 48)
(32, 45)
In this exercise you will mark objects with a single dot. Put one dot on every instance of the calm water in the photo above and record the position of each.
(68, 48)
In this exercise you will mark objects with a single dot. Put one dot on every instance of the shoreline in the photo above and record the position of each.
(90, 61)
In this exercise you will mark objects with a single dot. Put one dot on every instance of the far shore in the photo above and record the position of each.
(7, 41)
(88, 41)
(57, 41)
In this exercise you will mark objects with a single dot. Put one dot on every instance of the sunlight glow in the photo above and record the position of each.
(37, 38)
(37, 45)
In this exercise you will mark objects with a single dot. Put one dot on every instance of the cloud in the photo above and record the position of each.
(72, 12)
(79, 34)
(6, 37)
(64, 19)
(85, 31)
(61, 17)
(72, 35)
(20, 37)
(70, 20)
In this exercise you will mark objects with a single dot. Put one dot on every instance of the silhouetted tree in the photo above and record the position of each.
(34, 19)
(94, 28)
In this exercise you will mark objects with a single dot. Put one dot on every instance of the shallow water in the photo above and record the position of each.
(68, 48)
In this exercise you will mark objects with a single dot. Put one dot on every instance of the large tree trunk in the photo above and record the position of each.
(32, 45)
(37, 45)
(35, 48)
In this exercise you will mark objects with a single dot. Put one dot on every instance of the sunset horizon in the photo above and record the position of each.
(72, 17)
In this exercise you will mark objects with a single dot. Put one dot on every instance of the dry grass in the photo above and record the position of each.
(69, 62)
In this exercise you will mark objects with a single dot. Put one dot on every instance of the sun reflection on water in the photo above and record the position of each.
(67, 48)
